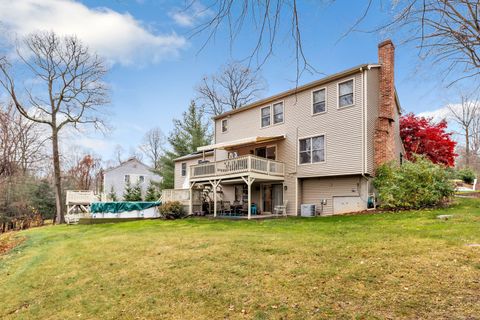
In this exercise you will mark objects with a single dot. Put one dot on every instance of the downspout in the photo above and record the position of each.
(364, 127)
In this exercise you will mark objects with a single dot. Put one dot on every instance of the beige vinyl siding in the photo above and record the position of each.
(372, 114)
(179, 179)
(398, 139)
(343, 130)
(315, 189)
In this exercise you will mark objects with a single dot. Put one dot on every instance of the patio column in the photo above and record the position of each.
(215, 184)
(249, 181)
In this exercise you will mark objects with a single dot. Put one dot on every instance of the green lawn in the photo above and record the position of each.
(405, 265)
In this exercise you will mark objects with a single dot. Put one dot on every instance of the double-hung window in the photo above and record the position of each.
(312, 150)
(127, 178)
(345, 94)
(266, 116)
(319, 98)
(184, 169)
(224, 125)
(278, 113)
(272, 114)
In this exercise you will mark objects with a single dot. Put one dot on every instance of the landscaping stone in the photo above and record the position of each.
(444, 216)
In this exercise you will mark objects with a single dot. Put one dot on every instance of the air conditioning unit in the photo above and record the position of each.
(308, 210)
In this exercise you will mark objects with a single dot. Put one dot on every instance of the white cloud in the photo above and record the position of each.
(188, 17)
(120, 38)
(437, 115)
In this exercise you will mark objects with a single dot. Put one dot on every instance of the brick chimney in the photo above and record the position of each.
(384, 141)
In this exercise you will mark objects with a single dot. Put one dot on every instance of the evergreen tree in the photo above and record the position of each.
(189, 133)
(112, 196)
(136, 193)
(152, 193)
(43, 199)
(132, 193)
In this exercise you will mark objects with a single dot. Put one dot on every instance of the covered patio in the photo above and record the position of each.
(245, 169)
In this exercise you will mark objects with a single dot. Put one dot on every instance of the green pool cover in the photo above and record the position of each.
(116, 207)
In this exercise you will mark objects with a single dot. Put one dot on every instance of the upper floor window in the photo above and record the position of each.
(266, 116)
(127, 178)
(278, 113)
(224, 125)
(312, 150)
(345, 94)
(141, 179)
(319, 98)
(184, 169)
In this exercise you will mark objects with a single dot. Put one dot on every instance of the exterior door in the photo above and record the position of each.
(272, 195)
(269, 152)
(267, 198)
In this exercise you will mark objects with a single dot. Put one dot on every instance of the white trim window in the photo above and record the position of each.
(345, 93)
(224, 125)
(266, 116)
(184, 169)
(319, 101)
(278, 113)
(312, 150)
(141, 179)
(126, 178)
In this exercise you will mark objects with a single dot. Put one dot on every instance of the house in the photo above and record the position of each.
(317, 144)
(133, 171)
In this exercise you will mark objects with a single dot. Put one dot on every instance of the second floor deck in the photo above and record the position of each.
(240, 166)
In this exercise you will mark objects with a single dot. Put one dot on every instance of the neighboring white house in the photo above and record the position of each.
(133, 171)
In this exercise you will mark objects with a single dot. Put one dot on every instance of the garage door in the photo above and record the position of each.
(347, 204)
(340, 192)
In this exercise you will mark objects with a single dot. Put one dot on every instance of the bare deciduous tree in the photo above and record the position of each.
(68, 90)
(233, 87)
(84, 172)
(446, 31)
(153, 146)
(465, 117)
(118, 154)
(22, 146)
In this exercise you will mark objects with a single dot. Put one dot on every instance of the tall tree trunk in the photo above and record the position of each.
(59, 217)
(467, 147)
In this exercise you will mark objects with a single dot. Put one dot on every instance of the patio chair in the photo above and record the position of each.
(244, 208)
(227, 208)
(281, 209)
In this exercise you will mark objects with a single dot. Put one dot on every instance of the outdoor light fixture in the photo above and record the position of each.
(285, 188)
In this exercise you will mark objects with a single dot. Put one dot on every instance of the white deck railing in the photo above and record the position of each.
(243, 164)
(80, 197)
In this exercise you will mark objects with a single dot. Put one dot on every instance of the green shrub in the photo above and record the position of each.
(413, 185)
(466, 174)
(172, 210)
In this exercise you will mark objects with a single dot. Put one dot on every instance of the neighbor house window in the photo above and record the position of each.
(141, 179)
(319, 101)
(345, 93)
(184, 169)
(312, 150)
(127, 178)
(278, 113)
(224, 125)
(265, 117)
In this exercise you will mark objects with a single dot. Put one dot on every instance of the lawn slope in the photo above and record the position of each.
(406, 265)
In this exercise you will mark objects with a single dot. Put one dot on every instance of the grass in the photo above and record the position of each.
(406, 265)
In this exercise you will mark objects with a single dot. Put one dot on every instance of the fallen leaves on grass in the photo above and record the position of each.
(9, 241)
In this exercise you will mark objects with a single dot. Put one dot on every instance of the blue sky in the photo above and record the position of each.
(156, 66)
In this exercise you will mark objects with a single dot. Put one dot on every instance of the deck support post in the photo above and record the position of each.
(249, 181)
(215, 184)
(190, 207)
